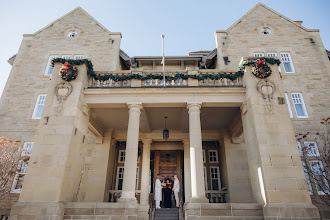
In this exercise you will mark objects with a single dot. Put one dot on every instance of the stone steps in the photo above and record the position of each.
(166, 214)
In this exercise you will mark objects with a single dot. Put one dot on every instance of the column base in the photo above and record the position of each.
(199, 200)
(283, 211)
(132, 201)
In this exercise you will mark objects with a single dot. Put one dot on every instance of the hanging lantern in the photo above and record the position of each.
(166, 133)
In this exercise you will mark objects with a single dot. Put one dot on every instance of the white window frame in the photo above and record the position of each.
(218, 173)
(319, 191)
(290, 61)
(21, 172)
(288, 104)
(204, 159)
(27, 148)
(119, 156)
(271, 54)
(312, 151)
(136, 178)
(205, 178)
(216, 156)
(37, 105)
(66, 56)
(308, 180)
(48, 64)
(302, 103)
(300, 149)
(76, 57)
(117, 179)
(258, 54)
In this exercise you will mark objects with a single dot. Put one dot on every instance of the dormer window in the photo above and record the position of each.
(72, 34)
(265, 30)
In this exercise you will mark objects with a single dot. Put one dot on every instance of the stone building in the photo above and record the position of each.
(98, 140)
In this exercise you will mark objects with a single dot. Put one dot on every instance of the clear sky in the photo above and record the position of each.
(188, 25)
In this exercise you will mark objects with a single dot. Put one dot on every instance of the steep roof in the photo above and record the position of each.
(298, 24)
(77, 9)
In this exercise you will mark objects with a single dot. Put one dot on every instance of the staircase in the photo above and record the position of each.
(166, 214)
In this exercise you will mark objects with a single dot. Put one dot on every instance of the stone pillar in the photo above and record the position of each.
(54, 172)
(144, 198)
(276, 172)
(128, 193)
(187, 173)
(196, 154)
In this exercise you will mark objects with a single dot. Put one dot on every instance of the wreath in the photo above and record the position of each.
(261, 69)
(68, 72)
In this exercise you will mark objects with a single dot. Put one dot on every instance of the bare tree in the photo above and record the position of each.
(10, 154)
(315, 152)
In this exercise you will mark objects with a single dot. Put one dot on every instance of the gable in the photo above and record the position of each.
(70, 16)
(261, 14)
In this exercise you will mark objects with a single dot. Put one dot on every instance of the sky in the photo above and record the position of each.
(188, 25)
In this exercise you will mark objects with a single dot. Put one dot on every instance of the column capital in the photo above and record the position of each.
(146, 142)
(135, 106)
(194, 106)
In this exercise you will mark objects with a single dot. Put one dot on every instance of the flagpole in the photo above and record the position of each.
(164, 81)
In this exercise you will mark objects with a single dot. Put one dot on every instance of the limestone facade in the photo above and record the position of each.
(235, 149)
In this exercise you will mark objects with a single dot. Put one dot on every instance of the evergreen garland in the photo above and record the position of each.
(116, 78)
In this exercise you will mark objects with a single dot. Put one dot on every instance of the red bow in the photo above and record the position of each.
(261, 61)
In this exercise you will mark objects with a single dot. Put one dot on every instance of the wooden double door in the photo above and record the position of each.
(168, 164)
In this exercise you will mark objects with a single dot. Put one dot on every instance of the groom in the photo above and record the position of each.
(176, 190)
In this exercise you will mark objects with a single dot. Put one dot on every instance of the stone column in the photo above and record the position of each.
(144, 198)
(187, 174)
(196, 154)
(128, 193)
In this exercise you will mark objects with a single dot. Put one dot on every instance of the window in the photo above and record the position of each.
(39, 107)
(321, 183)
(49, 69)
(311, 149)
(19, 177)
(27, 148)
(299, 105)
(72, 34)
(300, 149)
(213, 156)
(271, 54)
(120, 178)
(205, 178)
(121, 158)
(287, 63)
(310, 189)
(258, 54)
(288, 104)
(78, 57)
(265, 30)
(204, 156)
(67, 57)
(215, 180)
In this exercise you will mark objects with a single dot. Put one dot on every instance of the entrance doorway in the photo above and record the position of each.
(167, 163)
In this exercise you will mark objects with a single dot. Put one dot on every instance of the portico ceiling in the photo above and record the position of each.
(152, 118)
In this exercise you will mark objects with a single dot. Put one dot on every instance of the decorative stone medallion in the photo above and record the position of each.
(63, 90)
(267, 89)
